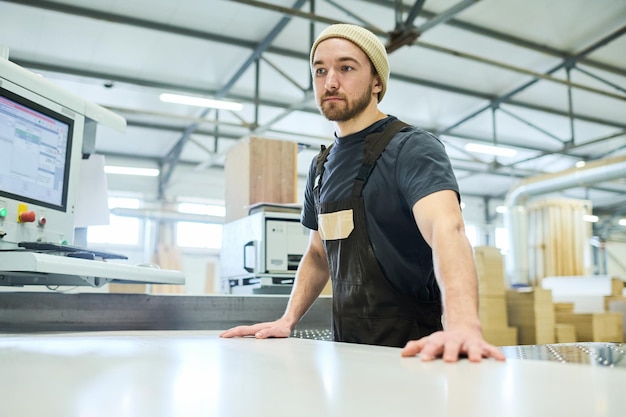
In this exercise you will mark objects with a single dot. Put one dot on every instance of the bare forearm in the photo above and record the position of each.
(456, 273)
(311, 277)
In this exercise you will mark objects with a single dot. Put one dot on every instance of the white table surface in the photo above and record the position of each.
(195, 373)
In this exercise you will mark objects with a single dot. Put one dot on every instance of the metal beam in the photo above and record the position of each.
(160, 85)
(531, 124)
(446, 15)
(413, 13)
(506, 97)
(602, 80)
(402, 36)
(507, 38)
(536, 75)
(133, 21)
(349, 13)
(174, 154)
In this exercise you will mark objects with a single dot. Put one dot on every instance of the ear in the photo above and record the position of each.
(378, 84)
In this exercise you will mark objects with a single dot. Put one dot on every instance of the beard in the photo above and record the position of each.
(346, 110)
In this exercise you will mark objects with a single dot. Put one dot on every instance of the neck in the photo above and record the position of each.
(368, 117)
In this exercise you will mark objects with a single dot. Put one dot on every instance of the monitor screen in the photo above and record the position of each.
(35, 146)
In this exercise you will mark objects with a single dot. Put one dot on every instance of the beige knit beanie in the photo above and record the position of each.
(364, 39)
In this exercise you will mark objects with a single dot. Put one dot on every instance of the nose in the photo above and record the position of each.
(331, 83)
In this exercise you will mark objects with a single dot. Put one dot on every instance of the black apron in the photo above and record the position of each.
(366, 307)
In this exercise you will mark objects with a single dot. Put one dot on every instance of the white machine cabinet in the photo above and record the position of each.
(261, 252)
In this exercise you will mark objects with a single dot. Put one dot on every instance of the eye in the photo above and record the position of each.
(346, 68)
(320, 72)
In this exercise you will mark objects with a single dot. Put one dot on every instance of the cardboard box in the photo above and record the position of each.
(619, 306)
(492, 311)
(565, 333)
(531, 311)
(490, 270)
(128, 288)
(609, 298)
(504, 336)
(617, 287)
(595, 327)
(563, 307)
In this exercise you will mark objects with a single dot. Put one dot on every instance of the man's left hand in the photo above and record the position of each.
(450, 345)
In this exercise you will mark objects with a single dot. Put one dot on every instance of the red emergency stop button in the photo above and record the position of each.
(42, 221)
(28, 216)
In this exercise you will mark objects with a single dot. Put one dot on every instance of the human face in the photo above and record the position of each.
(343, 79)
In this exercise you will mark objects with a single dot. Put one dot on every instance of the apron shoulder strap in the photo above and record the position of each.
(375, 144)
(320, 161)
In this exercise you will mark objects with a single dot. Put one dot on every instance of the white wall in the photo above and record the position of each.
(616, 259)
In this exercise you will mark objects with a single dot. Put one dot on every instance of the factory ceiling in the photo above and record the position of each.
(546, 79)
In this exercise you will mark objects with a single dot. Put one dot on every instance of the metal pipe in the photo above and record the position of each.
(515, 218)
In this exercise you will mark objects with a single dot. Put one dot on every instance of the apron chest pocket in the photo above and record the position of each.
(336, 225)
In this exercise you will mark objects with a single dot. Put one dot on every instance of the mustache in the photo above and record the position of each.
(329, 94)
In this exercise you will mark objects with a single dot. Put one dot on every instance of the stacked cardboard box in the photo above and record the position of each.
(619, 306)
(617, 293)
(565, 333)
(594, 327)
(491, 297)
(531, 311)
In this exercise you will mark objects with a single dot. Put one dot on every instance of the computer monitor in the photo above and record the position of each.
(42, 130)
(44, 133)
(35, 152)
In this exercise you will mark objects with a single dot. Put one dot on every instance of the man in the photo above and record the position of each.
(383, 207)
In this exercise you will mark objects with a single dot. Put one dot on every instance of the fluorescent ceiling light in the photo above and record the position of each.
(145, 172)
(622, 222)
(580, 164)
(501, 209)
(590, 218)
(201, 102)
(490, 150)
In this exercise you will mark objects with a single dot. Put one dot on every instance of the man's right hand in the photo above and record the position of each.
(278, 328)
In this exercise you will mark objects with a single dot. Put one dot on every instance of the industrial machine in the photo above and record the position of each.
(44, 133)
(261, 252)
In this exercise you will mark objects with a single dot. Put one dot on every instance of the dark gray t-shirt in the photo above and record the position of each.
(413, 165)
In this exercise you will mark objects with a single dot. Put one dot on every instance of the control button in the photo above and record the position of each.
(27, 216)
(42, 221)
(3, 213)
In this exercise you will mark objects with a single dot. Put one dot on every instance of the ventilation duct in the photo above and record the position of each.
(515, 218)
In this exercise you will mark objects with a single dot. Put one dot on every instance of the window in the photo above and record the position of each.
(207, 209)
(199, 235)
(502, 239)
(121, 230)
(471, 232)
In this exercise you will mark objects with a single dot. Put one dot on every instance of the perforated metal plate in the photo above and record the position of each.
(589, 353)
(316, 334)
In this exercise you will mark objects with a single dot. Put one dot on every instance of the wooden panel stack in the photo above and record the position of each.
(168, 257)
(563, 332)
(617, 293)
(594, 327)
(557, 238)
(531, 311)
(491, 297)
(128, 288)
(259, 170)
